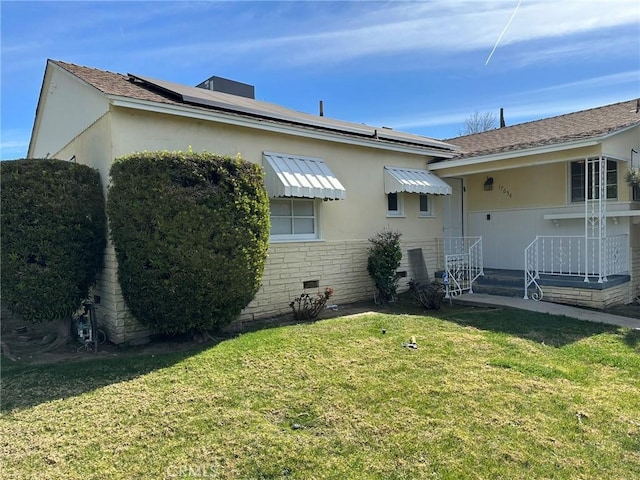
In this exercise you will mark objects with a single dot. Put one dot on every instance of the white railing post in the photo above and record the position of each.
(462, 264)
(532, 269)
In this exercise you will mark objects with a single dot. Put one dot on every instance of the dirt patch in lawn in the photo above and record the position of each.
(25, 342)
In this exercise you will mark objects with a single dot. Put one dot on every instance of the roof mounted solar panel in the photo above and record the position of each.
(257, 108)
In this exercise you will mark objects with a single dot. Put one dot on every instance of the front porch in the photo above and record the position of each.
(563, 289)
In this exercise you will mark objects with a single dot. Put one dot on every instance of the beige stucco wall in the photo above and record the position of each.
(337, 259)
(358, 168)
(529, 187)
(619, 145)
(72, 106)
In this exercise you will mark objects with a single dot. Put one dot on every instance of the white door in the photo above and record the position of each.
(452, 211)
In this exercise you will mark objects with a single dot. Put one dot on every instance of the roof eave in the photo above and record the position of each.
(472, 161)
(39, 106)
(267, 124)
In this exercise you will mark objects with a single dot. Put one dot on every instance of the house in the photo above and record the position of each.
(332, 184)
(549, 200)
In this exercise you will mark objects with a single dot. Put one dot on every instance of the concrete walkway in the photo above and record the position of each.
(482, 299)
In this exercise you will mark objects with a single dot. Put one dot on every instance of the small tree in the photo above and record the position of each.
(53, 238)
(191, 233)
(479, 122)
(632, 176)
(383, 261)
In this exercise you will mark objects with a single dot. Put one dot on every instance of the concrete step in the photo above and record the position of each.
(499, 289)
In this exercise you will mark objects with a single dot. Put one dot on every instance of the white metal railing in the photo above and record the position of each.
(616, 249)
(531, 271)
(463, 264)
(577, 256)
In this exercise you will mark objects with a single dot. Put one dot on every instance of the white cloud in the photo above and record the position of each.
(302, 34)
(440, 27)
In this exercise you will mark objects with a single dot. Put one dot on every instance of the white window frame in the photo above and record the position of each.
(580, 181)
(399, 203)
(428, 213)
(294, 237)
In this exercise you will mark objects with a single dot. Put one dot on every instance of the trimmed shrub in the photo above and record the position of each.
(383, 261)
(307, 307)
(191, 233)
(53, 236)
(429, 296)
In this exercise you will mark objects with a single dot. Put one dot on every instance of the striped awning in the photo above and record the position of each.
(295, 176)
(413, 180)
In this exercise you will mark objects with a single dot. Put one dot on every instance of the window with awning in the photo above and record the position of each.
(412, 180)
(302, 177)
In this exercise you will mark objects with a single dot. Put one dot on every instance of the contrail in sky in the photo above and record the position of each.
(504, 30)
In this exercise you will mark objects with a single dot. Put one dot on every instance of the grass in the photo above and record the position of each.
(487, 394)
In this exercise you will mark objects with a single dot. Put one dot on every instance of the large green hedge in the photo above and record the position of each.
(53, 236)
(191, 234)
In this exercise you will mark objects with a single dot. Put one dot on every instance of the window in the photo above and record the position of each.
(395, 205)
(636, 193)
(293, 219)
(578, 179)
(425, 205)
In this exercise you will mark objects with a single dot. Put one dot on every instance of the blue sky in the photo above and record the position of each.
(419, 67)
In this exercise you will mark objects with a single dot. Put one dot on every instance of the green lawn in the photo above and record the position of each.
(487, 394)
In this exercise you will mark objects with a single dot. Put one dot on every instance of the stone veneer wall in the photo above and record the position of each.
(635, 273)
(341, 265)
(584, 297)
(113, 315)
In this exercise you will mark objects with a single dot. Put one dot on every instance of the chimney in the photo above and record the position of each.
(224, 85)
(321, 108)
(502, 124)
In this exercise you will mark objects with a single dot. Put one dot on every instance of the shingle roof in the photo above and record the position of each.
(582, 125)
(141, 88)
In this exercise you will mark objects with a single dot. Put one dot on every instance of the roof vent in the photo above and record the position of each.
(224, 85)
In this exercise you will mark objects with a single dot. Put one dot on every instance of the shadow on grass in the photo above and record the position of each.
(632, 338)
(552, 330)
(25, 385)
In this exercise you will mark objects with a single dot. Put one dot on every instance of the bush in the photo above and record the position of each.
(383, 261)
(53, 236)
(191, 233)
(632, 176)
(306, 307)
(429, 296)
